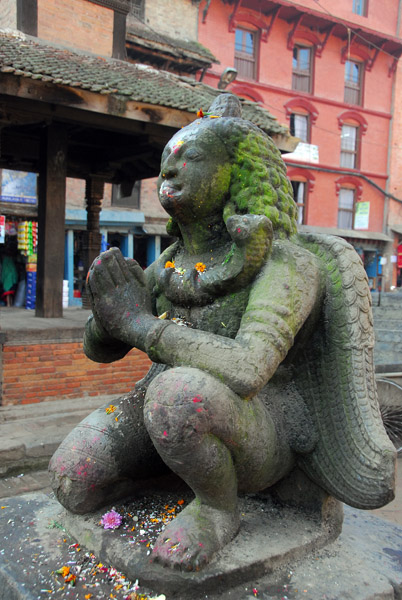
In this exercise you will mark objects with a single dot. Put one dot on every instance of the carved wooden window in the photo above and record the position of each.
(349, 146)
(137, 8)
(360, 7)
(302, 68)
(346, 208)
(300, 197)
(245, 61)
(353, 82)
(126, 195)
(300, 127)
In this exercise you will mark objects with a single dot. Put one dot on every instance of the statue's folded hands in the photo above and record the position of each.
(120, 300)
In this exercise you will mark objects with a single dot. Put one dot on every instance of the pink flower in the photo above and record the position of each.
(111, 520)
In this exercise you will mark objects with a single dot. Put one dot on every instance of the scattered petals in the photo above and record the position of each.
(111, 520)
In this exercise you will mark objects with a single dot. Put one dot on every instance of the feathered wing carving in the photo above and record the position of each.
(354, 459)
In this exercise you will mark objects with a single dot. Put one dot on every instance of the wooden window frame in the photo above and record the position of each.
(239, 56)
(348, 85)
(122, 198)
(347, 210)
(302, 205)
(292, 128)
(297, 74)
(356, 150)
(137, 11)
(365, 8)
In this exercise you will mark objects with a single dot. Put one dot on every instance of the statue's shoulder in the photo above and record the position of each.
(347, 293)
(289, 257)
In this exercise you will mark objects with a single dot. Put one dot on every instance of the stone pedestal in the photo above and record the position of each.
(276, 556)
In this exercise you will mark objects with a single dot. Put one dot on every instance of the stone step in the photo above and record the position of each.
(30, 434)
(389, 335)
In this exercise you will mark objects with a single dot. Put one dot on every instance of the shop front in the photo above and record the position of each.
(118, 228)
(18, 238)
(371, 246)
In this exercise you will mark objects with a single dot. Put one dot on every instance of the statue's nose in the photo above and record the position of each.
(169, 171)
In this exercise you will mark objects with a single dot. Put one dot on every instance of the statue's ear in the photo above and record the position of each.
(226, 105)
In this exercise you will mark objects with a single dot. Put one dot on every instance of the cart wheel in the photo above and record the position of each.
(390, 400)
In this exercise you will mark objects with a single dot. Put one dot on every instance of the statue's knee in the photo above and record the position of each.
(176, 406)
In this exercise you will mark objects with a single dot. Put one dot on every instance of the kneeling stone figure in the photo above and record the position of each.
(274, 372)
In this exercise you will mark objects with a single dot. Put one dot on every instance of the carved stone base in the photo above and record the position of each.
(276, 555)
(270, 537)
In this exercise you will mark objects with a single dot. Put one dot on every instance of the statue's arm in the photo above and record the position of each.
(280, 301)
(101, 347)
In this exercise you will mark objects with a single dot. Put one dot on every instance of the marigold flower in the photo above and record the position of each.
(169, 264)
(111, 520)
(71, 579)
(200, 267)
(64, 571)
(110, 409)
(200, 114)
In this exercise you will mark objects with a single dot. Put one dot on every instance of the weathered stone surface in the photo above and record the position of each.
(364, 563)
(271, 375)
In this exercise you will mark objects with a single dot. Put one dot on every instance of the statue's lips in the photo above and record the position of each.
(169, 191)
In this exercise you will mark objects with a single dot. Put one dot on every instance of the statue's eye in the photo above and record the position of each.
(192, 154)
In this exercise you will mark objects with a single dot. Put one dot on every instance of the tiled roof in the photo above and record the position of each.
(138, 32)
(30, 57)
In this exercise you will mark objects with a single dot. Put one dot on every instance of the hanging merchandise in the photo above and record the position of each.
(2, 229)
(30, 300)
(27, 237)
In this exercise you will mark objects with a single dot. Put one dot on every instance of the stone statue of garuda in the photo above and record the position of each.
(262, 364)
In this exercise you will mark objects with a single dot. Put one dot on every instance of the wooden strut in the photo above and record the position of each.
(275, 15)
(293, 31)
(233, 15)
(325, 40)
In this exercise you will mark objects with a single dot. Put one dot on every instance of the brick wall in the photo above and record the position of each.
(150, 205)
(78, 24)
(8, 14)
(52, 371)
(75, 193)
(179, 19)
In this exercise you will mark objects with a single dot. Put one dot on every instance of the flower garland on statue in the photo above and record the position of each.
(200, 267)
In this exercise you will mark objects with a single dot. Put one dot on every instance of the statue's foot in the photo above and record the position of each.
(192, 538)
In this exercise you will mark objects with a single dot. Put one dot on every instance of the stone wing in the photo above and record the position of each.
(354, 459)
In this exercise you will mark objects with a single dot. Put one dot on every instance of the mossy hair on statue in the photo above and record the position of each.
(258, 181)
(273, 375)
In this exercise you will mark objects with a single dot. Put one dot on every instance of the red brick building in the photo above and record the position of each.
(328, 69)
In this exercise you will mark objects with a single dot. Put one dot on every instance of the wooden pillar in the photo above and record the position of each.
(51, 218)
(94, 191)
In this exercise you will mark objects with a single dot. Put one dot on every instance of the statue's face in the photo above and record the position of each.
(195, 174)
